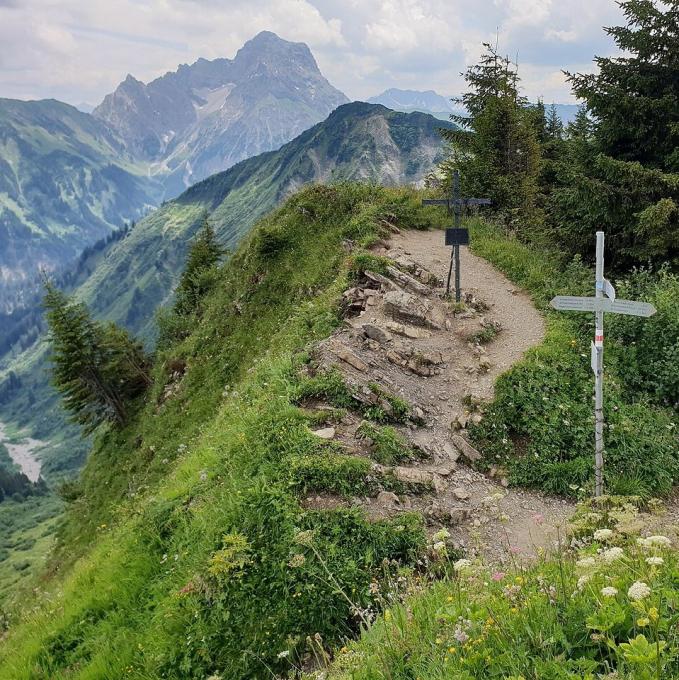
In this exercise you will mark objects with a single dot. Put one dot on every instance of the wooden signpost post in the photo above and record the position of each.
(456, 236)
(604, 301)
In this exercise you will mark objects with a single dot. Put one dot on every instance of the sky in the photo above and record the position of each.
(79, 50)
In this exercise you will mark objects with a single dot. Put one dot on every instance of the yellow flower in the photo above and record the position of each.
(642, 622)
(438, 641)
(387, 615)
(452, 650)
(514, 610)
(653, 614)
(519, 580)
(449, 598)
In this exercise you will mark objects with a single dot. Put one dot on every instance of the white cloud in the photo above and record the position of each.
(78, 50)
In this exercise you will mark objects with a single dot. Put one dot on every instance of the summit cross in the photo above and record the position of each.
(456, 236)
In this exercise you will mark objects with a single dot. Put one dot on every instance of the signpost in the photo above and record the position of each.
(604, 301)
(456, 236)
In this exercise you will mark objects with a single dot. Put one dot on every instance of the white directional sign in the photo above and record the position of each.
(599, 305)
(630, 307)
(589, 304)
(574, 304)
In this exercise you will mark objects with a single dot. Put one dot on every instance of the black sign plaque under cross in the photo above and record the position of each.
(456, 236)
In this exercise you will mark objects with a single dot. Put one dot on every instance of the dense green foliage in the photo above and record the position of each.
(622, 174)
(650, 347)
(607, 610)
(186, 551)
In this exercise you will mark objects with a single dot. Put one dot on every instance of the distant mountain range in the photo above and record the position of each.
(206, 117)
(68, 178)
(437, 105)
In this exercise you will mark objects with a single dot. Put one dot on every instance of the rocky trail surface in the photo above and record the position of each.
(402, 335)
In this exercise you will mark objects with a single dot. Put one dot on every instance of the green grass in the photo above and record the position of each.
(201, 482)
(540, 425)
(550, 620)
(387, 445)
(26, 536)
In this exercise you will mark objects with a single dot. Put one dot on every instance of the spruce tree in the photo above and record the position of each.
(198, 276)
(496, 146)
(97, 369)
(622, 175)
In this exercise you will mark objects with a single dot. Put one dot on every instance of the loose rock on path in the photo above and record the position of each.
(402, 335)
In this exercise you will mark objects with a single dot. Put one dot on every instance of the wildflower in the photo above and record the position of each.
(638, 591)
(653, 613)
(654, 542)
(284, 655)
(202, 475)
(583, 580)
(609, 591)
(462, 566)
(602, 534)
(304, 537)
(441, 535)
(655, 561)
(519, 580)
(297, 560)
(612, 554)
(586, 564)
(642, 622)
(439, 547)
(498, 575)
(460, 635)
(659, 541)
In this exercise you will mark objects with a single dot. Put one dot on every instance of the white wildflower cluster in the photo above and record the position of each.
(603, 534)
(439, 539)
(638, 591)
(612, 554)
(586, 564)
(652, 542)
(655, 561)
(584, 580)
(463, 566)
(609, 591)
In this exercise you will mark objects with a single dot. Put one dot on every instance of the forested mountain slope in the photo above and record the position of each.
(65, 182)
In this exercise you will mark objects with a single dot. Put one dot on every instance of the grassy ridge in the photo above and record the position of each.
(197, 565)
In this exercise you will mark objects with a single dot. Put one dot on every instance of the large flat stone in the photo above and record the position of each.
(414, 309)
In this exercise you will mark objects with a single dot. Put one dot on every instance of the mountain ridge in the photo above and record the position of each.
(206, 116)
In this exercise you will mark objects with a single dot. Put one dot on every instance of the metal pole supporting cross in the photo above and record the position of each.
(603, 301)
(456, 236)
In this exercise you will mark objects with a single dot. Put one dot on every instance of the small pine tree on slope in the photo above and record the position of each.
(97, 369)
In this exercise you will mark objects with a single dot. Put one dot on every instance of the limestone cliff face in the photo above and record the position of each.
(207, 116)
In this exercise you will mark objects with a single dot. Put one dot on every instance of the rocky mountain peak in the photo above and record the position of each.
(206, 116)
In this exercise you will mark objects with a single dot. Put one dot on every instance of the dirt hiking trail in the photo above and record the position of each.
(402, 335)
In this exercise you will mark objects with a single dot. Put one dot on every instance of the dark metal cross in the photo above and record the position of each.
(457, 236)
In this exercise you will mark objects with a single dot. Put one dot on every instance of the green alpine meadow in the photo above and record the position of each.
(261, 414)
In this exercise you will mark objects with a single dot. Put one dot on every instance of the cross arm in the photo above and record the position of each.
(473, 201)
(435, 201)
